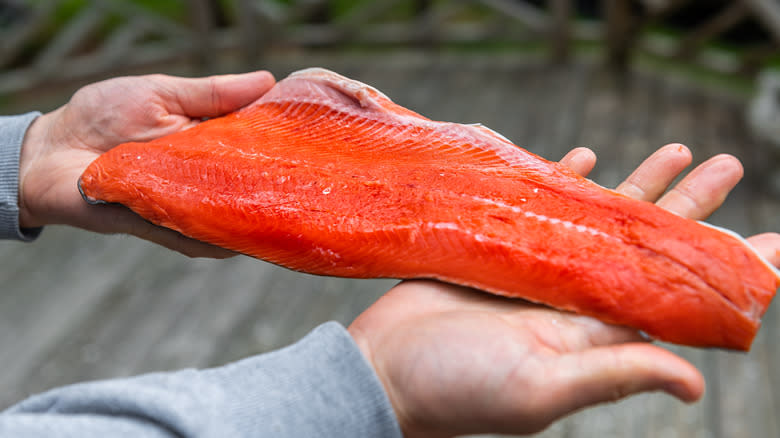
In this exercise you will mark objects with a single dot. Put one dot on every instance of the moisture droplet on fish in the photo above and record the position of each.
(326, 191)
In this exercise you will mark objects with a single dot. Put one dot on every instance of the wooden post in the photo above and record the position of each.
(248, 23)
(424, 23)
(621, 33)
(202, 25)
(560, 30)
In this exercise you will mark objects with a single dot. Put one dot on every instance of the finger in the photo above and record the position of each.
(113, 218)
(703, 190)
(180, 243)
(768, 245)
(651, 179)
(215, 95)
(608, 374)
(581, 160)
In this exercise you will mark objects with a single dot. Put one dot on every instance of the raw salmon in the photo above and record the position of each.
(326, 175)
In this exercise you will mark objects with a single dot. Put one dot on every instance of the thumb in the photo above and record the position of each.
(178, 242)
(114, 218)
(215, 95)
(608, 374)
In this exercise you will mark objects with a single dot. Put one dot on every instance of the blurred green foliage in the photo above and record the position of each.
(340, 7)
(401, 10)
(67, 10)
(174, 9)
(337, 10)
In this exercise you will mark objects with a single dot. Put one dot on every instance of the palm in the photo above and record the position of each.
(457, 361)
(471, 360)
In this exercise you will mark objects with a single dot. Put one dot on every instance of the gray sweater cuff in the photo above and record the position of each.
(326, 388)
(321, 386)
(12, 130)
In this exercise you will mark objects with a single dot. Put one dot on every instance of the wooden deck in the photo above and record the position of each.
(78, 306)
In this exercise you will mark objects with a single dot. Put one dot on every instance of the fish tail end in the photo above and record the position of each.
(90, 200)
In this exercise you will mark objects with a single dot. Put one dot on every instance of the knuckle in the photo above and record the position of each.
(216, 100)
(621, 390)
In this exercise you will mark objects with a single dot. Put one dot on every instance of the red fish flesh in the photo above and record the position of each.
(326, 175)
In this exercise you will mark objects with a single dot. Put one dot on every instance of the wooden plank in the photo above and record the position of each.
(747, 406)
(765, 214)
(565, 116)
(636, 124)
(225, 292)
(560, 30)
(602, 108)
(620, 33)
(526, 104)
(628, 119)
(291, 305)
(86, 267)
(701, 140)
(114, 337)
(202, 23)
(673, 120)
(519, 97)
(123, 307)
(248, 34)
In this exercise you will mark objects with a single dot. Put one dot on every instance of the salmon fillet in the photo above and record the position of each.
(326, 175)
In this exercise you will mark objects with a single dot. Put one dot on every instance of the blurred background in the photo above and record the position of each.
(623, 77)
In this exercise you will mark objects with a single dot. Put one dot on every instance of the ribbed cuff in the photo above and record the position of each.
(321, 386)
(12, 131)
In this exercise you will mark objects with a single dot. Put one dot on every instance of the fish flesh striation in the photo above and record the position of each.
(327, 175)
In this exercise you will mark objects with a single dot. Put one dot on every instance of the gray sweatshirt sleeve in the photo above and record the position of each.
(12, 130)
(321, 386)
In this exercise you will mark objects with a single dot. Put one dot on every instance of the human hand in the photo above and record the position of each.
(59, 146)
(456, 361)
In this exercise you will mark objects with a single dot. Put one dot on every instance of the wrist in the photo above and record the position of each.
(404, 422)
(33, 150)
